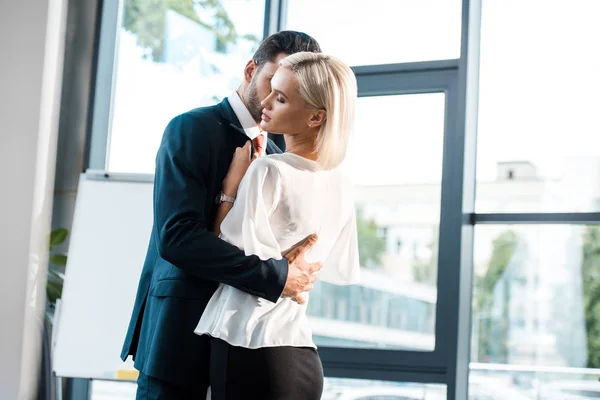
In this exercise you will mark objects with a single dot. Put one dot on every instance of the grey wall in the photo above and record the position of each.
(31, 44)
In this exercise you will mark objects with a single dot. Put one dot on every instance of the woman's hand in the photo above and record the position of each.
(239, 165)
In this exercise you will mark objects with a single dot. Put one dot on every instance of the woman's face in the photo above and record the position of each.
(284, 110)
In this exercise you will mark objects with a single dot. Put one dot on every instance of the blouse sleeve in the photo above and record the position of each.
(342, 266)
(247, 223)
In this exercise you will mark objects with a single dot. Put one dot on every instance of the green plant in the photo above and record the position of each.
(591, 292)
(493, 330)
(56, 268)
(371, 246)
(146, 20)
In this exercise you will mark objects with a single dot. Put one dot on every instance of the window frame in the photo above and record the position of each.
(448, 363)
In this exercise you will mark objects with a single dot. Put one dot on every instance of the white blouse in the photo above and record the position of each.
(282, 199)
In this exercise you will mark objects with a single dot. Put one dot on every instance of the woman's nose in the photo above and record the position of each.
(266, 103)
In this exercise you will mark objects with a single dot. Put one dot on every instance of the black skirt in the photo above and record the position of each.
(270, 373)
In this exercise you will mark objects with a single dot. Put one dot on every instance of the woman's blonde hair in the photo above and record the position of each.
(327, 83)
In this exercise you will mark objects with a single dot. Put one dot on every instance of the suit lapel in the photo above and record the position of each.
(228, 114)
(228, 118)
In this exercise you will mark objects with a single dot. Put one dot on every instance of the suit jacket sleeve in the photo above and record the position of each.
(180, 196)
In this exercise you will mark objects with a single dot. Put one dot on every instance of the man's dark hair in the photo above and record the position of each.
(288, 42)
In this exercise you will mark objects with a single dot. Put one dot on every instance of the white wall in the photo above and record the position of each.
(31, 45)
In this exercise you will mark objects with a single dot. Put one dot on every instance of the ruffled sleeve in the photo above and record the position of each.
(247, 223)
(342, 266)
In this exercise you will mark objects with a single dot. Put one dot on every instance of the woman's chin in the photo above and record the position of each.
(270, 127)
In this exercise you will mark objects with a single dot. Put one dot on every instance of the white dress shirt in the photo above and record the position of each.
(282, 199)
(248, 123)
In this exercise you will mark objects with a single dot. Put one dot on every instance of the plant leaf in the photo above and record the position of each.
(53, 291)
(59, 259)
(57, 237)
(55, 276)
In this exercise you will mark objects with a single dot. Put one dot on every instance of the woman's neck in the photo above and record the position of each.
(302, 144)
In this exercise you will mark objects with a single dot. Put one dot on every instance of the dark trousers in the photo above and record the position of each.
(270, 373)
(150, 388)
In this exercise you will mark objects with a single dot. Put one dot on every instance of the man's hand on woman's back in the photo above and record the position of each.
(301, 274)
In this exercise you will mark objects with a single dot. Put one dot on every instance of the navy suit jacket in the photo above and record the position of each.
(185, 262)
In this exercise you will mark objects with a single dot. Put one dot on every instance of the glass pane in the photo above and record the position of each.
(536, 312)
(539, 125)
(381, 31)
(396, 168)
(171, 60)
(358, 389)
(334, 389)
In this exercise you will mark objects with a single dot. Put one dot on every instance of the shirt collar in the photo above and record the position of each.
(241, 112)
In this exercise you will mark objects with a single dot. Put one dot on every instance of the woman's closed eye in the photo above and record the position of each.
(280, 99)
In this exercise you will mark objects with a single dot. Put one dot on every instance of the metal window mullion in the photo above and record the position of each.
(384, 374)
(420, 66)
(102, 101)
(283, 13)
(272, 23)
(382, 359)
(455, 271)
(396, 83)
(591, 218)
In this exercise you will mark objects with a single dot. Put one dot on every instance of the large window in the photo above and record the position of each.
(172, 57)
(537, 243)
(539, 125)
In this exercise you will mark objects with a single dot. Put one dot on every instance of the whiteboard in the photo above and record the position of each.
(108, 243)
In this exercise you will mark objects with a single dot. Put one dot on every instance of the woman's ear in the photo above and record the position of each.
(317, 118)
(249, 70)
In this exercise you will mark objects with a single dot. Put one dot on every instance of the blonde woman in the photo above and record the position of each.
(263, 350)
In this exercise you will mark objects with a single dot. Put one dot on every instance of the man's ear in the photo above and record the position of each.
(249, 70)
(317, 118)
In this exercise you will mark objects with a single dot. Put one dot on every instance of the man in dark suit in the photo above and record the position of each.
(185, 262)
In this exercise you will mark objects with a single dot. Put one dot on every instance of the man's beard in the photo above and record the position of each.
(253, 102)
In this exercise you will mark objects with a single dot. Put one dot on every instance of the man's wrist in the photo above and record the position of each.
(222, 198)
(229, 193)
(277, 278)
